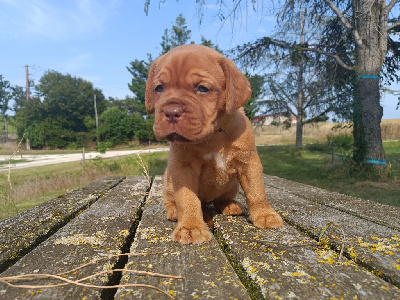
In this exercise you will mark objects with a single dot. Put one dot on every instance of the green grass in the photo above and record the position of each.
(12, 161)
(315, 167)
(392, 150)
(312, 166)
(32, 186)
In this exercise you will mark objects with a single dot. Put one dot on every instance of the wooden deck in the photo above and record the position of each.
(330, 247)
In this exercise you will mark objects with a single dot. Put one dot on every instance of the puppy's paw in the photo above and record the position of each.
(171, 212)
(269, 219)
(229, 208)
(191, 234)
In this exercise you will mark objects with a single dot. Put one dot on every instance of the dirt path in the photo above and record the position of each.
(29, 161)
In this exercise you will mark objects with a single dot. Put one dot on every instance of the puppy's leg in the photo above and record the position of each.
(261, 212)
(191, 228)
(169, 201)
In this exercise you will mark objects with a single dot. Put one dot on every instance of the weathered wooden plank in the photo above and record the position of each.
(373, 211)
(98, 232)
(287, 264)
(206, 270)
(24, 231)
(370, 244)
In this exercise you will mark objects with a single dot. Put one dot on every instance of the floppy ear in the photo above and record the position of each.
(149, 100)
(237, 87)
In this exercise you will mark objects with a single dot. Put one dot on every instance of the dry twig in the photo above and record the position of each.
(65, 281)
(145, 168)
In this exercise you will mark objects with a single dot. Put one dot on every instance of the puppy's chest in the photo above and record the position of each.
(218, 165)
(216, 160)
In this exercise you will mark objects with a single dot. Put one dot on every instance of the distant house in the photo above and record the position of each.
(272, 119)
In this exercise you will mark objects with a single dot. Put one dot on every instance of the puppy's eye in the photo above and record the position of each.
(202, 89)
(159, 88)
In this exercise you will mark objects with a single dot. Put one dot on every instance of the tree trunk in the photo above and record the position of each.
(300, 111)
(367, 121)
(6, 127)
(371, 50)
(299, 132)
(300, 91)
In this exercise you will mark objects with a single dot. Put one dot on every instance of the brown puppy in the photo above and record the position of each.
(197, 94)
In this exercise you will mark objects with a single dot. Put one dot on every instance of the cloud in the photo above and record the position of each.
(55, 20)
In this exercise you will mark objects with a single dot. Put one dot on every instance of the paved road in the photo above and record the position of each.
(29, 161)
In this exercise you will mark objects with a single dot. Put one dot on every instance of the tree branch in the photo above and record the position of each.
(337, 11)
(289, 109)
(393, 26)
(345, 21)
(336, 57)
(389, 7)
(319, 115)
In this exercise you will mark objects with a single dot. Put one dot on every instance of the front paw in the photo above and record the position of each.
(191, 234)
(171, 212)
(269, 219)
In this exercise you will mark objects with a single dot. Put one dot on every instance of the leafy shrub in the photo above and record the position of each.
(343, 141)
(341, 144)
(102, 147)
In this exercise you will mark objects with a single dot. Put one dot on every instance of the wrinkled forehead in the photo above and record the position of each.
(183, 67)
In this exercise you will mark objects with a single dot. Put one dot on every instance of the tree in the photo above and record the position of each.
(251, 107)
(129, 104)
(300, 85)
(5, 97)
(114, 126)
(57, 116)
(178, 35)
(19, 97)
(210, 44)
(139, 70)
(70, 98)
(370, 25)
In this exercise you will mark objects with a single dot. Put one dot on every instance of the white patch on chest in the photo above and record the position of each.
(218, 159)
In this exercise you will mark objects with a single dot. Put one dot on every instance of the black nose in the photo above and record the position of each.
(173, 113)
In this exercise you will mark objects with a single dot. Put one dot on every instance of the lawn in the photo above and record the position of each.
(313, 166)
(32, 186)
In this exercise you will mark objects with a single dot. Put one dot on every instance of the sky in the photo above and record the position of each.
(97, 39)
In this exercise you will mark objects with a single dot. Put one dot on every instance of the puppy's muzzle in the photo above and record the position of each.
(173, 113)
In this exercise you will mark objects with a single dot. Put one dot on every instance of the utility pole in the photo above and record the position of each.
(28, 96)
(97, 120)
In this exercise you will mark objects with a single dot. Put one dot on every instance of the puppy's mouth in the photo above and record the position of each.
(175, 137)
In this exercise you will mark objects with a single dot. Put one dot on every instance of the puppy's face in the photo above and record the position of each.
(189, 89)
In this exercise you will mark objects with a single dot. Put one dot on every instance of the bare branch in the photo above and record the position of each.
(319, 115)
(345, 22)
(389, 7)
(336, 57)
(337, 11)
(287, 107)
(393, 26)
